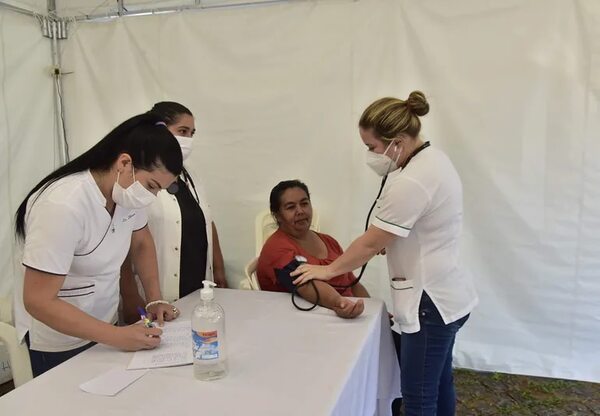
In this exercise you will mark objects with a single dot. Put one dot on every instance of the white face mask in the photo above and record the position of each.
(186, 145)
(134, 197)
(381, 163)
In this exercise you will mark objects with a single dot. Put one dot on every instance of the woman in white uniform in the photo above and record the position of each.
(418, 223)
(78, 224)
(186, 238)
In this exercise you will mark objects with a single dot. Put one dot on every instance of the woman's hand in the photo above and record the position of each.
(136, 337)
(163, 312)
(349, 309)
(307, 272)
(220, 280)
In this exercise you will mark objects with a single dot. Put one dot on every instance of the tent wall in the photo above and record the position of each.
(27, 125)
(277, 92)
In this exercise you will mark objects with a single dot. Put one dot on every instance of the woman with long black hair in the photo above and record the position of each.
(77, 225)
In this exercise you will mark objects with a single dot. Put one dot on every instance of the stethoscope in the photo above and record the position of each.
(368, 221)
(187, 178)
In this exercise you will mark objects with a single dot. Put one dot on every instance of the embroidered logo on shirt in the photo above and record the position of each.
(131, 215)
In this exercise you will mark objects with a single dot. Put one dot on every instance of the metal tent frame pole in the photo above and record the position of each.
(198, 6)
(60, 132)
(55, 28)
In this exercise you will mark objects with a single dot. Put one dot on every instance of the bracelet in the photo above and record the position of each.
(156, 302)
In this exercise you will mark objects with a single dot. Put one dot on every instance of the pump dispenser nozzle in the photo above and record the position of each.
(207, 293)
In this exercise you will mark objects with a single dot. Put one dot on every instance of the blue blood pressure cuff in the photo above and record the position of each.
(283, 275)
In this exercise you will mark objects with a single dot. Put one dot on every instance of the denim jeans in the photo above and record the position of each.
(397, 403)
(42, 361)
(426, 364)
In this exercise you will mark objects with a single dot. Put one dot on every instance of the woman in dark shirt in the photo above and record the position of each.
(187, 243)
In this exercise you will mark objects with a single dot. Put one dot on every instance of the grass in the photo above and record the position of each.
(507, 394)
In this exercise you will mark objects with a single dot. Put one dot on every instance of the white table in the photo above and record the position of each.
(282, 362)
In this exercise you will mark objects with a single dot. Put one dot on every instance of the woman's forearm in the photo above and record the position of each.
(361, 251)
(127, 284)
(67, 319)
(143, 256)
(217, 260)
(328, 296)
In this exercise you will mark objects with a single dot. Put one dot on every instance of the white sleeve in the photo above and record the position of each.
(52, 234)
(403, 203)
(141, 218)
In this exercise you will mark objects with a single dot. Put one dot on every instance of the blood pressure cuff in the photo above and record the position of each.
(283, 275)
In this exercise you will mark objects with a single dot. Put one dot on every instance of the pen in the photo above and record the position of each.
(147, 322)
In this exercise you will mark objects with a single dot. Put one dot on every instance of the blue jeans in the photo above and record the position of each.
(397, 403)
(426, 364)
(42, 361)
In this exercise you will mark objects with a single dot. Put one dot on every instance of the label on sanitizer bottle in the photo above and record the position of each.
(205, 345)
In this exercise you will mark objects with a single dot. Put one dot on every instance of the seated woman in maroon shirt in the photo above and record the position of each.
(291, 207)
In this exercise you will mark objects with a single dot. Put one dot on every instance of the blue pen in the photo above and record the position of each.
(144, 318)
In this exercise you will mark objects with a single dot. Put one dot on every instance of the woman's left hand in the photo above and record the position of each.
(306, 272)
(163, 312)
(221, 281)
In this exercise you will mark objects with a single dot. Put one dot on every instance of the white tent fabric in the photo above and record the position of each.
(277, 92)
(101, 8)
(27, 125)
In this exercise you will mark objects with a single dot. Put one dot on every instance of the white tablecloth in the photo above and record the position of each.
(281, 362)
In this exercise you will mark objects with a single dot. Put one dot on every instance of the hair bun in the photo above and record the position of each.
(417, 103)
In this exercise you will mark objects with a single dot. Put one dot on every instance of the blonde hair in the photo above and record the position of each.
(389, 117)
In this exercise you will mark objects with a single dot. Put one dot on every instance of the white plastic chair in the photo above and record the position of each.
(265, 225)
(251, 282)
(17, 353)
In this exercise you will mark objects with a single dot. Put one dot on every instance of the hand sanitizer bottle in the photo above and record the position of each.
(208, 336)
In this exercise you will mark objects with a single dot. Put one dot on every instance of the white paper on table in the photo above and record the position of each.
(175, 348)
(112, 382)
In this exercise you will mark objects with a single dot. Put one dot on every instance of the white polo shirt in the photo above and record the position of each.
(70, 233)
(422, 204)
